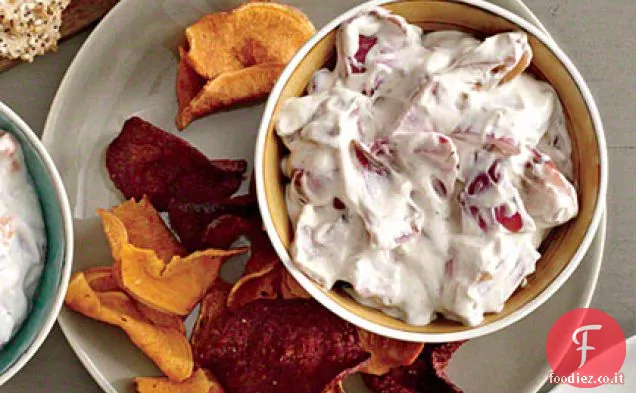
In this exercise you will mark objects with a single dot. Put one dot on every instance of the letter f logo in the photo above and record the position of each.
(583, 344)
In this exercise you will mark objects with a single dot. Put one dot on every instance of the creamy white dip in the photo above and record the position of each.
(425, 169)
(22, 238)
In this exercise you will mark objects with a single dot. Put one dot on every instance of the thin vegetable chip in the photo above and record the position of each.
(224, 230)
(279, 346)
(191, 220)
(168, 348)
(290, 288)
(386, 353)
(101, 279)
(426, 375)
(228, 340)
(261, 278)
(213, 305)
(229, 89)
(239, 54)
(189, 84)
(201, 381)
(161, 318)
(146, 229)
(145, 160)
(251, 34)
(174, 287)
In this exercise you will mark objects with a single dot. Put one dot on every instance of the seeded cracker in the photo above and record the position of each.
(29, 27)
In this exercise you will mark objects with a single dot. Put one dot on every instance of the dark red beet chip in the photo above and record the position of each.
(426, 375)
(198, 188)
(145, 160)
(279, 346)
(223, 231)
(190, 220)
(230, 166)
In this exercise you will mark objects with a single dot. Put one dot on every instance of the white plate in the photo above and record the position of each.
(628, 370)
(127, 67)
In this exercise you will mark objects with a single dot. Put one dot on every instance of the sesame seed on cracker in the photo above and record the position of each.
(29, 27)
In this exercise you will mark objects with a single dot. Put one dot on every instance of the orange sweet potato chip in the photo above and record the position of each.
(161, 318)
(174, 287)
(262, 275)
(290, 288)
(240, 53)
(210, 46)
(119, 302)
(269, 282)
(259, 285)
(167, 347)
(101, 279)
(386, 353)
(201, 381)
(253, 33)
(189, 84)
(81, 298)
(146, 229)
(231, 88)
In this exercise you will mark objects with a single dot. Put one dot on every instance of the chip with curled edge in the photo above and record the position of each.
(262, 276)
(167, 347)
(253, 33)
(146, 229)
(145, 160)
(279, 346)
(229, 89)
(236, 56)
(269, 310)
(197, 226)
(285, 345)
(101, 279)
(189, 84)
(174, 286)
(201, 381)
(426, 374)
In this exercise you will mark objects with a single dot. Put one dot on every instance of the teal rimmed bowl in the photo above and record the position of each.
(49, 295)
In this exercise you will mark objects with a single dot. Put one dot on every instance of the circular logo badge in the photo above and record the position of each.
(586, 348)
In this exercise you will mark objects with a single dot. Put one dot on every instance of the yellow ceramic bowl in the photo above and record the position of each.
(562, 250)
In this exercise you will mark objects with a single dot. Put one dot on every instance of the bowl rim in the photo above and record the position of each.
(67, 222)
(479, 330)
